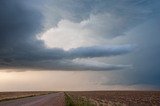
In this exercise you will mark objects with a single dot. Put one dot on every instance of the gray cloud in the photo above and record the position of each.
(19, 27)
(20, 23)
(145, 59)
(112, 18)
(99, 51)
(60, 59)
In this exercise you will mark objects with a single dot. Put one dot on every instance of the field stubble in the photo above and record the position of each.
(119, 98)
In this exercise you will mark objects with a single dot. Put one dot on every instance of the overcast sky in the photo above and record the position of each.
(79, 44)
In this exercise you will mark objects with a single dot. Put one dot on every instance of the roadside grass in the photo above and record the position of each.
(77, 101)
(68, 100)
(22, 96)
(6, 99)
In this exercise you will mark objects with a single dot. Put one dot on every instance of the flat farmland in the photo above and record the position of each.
(4, 96)
(117, 98)
(81, 98)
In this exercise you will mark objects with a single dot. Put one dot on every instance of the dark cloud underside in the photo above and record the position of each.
(21, 22)
(122, 23)
(19, 47)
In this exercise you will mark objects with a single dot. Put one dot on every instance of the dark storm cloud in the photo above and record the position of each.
(99, 51)
(18, 27)
(18, 23)
(22, 20)
(19, 47)
(145, 60)
(61, 60)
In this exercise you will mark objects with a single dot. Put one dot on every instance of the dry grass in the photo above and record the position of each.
(72, 100)
(16, 95)
(120, 98)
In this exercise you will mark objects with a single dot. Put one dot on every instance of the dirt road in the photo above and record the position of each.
(54, 99)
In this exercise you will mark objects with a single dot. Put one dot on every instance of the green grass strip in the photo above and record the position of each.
(68, 100)
(71, 101)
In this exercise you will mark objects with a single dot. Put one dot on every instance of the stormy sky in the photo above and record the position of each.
(112, 43)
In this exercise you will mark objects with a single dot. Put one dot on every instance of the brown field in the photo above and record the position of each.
(15, 95)
(117, 98)
(87, 98)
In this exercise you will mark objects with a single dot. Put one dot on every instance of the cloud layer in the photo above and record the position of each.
(20, 48)
(96, 35)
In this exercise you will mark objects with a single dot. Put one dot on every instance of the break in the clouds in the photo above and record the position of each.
(82, 35)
